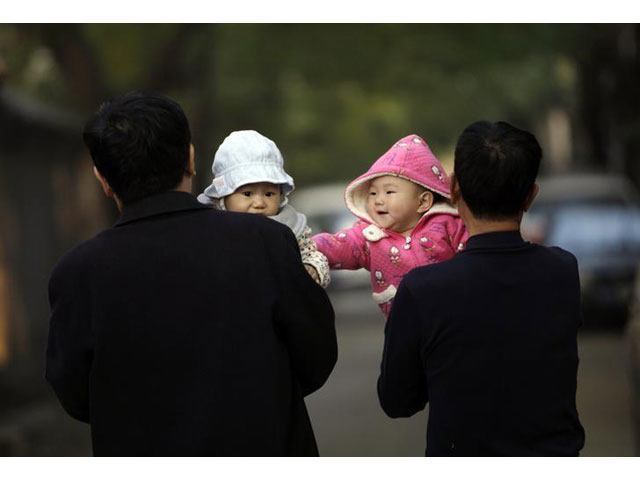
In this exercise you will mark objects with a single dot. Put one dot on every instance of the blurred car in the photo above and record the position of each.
(327, 212)
(597, 218)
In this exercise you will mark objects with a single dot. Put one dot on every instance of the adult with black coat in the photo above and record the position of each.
(489, 337)
(183, 330)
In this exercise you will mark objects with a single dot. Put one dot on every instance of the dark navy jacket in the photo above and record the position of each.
(188, 331)
(489, 340)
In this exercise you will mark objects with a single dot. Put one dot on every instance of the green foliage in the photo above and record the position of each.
(126, 52)
(333, 97)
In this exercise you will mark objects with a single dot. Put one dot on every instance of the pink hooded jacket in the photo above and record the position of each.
(388, 255)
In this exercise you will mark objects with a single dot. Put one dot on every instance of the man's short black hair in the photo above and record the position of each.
(140, 144)
(496, 165)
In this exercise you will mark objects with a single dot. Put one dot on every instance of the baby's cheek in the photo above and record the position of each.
(238, 205)
(367, 207)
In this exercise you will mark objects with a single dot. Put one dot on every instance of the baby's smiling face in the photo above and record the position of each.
(394, 203)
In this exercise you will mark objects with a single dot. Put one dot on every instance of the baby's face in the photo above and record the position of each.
(393, 203)
(262, 198)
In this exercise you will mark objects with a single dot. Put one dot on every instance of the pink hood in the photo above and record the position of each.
(409, 158)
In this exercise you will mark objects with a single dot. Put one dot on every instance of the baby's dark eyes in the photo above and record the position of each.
(249, 193)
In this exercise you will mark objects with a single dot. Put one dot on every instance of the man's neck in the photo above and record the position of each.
(185, 185)
(477, 227)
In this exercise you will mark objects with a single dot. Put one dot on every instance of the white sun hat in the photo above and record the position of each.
(246, 157)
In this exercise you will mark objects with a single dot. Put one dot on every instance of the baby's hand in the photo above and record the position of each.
(312, 271)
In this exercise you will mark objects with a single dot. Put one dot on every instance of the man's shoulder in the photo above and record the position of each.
(78, 258)
(550, 260)
(249, 223)
(455, 267)
(243, 221)
(558, 254)
(556, 262)
(438, 274)
(209, 224)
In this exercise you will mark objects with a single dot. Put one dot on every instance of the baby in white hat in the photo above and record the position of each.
(249, 177)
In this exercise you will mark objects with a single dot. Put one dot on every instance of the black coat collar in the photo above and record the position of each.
(496, 240)
(166, 202)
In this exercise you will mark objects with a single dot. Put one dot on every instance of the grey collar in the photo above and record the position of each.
(293, 219)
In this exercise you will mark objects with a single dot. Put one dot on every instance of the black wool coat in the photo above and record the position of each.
(489, 340)
(184, 330)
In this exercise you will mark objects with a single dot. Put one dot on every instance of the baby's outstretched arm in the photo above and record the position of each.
(345, 249)
(315, 262)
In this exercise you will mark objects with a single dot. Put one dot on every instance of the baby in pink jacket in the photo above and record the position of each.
(406, 219)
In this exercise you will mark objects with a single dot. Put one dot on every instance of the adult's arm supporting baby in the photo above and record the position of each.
(70, 347)
(303, 313)
(402, 385)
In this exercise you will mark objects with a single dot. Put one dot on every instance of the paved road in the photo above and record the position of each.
(345, 412)
(349, 422)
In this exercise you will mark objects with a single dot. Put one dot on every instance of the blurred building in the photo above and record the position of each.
(47, 203)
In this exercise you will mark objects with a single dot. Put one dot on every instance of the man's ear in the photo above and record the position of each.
(103, 181)
(530, 197)
(426, 201)
(455, 189)
(191, 166)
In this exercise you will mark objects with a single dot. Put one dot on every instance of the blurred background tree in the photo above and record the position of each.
(334, 97)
